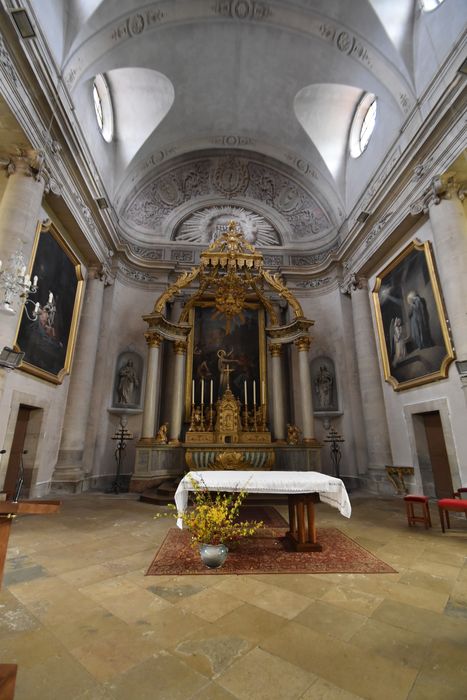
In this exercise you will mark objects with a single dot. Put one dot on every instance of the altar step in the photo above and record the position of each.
(164, 493)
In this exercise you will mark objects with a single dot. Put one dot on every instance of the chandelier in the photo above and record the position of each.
(16, 286)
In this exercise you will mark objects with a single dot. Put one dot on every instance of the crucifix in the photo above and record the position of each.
(228, 371)
(8, 511)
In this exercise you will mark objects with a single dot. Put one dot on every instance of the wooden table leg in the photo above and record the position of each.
(5, 525)
(302, 533)
(7, 681)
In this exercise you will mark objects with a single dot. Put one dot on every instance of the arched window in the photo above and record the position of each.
(103, 107)
(362, 125)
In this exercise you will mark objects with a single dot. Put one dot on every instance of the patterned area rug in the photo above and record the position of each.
(269, 552)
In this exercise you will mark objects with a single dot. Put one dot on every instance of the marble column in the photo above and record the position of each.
(278, 413)
(449, 223)
(303, 346)
(374, 412)
(20, 210)
(152, 390)
(175, 425)
(69, 470)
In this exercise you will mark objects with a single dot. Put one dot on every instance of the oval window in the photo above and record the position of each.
(103, 107)
(363, 125)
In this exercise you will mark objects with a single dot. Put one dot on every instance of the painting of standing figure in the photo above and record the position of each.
(414, 339)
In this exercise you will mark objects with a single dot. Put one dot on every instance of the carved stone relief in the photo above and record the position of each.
(206, 225)
(227, 177)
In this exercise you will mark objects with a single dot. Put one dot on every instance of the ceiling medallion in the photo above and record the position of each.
(209, 224)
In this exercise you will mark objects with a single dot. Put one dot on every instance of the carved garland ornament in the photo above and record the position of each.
(227, 177)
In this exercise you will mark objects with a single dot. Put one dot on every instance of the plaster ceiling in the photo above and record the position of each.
(228, 87)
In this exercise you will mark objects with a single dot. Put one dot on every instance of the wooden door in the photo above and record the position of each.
(17, 448)
(438, 454)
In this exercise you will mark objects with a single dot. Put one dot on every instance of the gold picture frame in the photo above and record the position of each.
(49, 341)
(413, 334)
(254, 316)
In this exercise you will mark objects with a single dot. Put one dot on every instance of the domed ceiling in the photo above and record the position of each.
(236, 108)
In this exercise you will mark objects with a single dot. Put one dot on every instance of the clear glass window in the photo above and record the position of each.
(103, 107)
(363, 124)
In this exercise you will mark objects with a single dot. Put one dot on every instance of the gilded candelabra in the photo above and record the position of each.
(121, 437)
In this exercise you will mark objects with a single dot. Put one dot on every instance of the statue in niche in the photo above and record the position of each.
(127, 383)
(323, 387)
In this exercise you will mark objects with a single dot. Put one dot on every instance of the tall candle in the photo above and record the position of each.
(245, 391)
(212, 391)
(51, 297)
(254, 392)
(263, 393)
(193, 392)
(202, 391)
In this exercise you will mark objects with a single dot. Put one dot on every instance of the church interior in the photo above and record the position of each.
(233, 239)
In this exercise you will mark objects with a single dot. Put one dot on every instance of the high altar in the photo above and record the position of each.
(227, 411)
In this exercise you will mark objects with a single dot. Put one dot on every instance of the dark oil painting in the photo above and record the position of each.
(414, 339)
(48, 341)
(215, 350)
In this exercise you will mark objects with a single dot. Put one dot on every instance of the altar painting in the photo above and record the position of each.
(413, 333)
(213, 344)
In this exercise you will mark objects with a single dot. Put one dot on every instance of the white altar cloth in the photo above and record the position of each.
(330, 489)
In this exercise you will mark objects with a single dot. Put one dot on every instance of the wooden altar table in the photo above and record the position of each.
(302, 488)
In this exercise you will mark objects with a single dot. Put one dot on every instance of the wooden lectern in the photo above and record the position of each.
(8, 511)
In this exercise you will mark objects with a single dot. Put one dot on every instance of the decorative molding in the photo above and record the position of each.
(242, 9)
(226, 177)
(184, 256)
(377, 229)
(6, 64)
(232, 141)
(305, 260)
(303, 343)
(147, 253)
(273, 260)
(206, 225)
(314, 283)
(353, 282)
(137, 275)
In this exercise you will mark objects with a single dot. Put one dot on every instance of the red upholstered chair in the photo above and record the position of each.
(459, 493)
(457, 503)
(425, 517)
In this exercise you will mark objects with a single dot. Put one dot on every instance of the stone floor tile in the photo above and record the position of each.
(212, 692)
(210, 652)
(352, 599)
(323, 690)
(331, 620)
(400, 645)
(59, 676)
(280, 602)
(251, 623)
(344, 664)
(210, 604)
(162, 676)
(262, 676)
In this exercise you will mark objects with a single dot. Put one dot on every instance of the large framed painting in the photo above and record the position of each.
(413, 334)
(215, 344)
(48, 342)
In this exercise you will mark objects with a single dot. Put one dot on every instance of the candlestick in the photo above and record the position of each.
(246, 394)
(193, 392)
(51, 297)
(202, 392)
(212, 392)
(34, 282)
(254, 392)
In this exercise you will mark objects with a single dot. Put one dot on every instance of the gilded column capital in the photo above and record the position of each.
(275, 350)
(153, 339)
(303, 343)
(179, 347)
